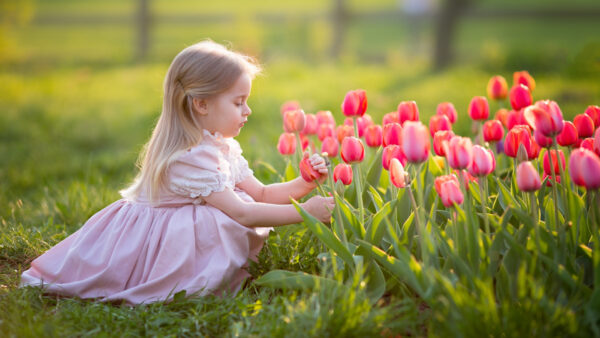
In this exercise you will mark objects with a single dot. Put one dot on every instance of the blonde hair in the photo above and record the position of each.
(200, 71)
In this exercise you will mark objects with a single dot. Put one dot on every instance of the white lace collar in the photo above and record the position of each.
(216, 139)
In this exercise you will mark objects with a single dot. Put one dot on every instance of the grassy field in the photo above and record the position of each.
(76, 111)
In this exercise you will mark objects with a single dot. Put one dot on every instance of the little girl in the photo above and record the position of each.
(195, 213)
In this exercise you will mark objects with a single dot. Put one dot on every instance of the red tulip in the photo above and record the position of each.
(549, 181)
(311, 126)
(415, 141)
(541, 140)
(520, 97)
(555, 162)
(289, 105)
(353, 150)
(343, 172)
(325, 117)
(440, 141)
(545, 116)
(528, 179)
(408, 111)
(460, 152)
(390, 117)
(483, 162)
(515, 118)
(584, 125)
(515, 137)
(307, 171)
(447, 108)
(449, 190)
(584, 166)
(306, 142)
(390, 152)
(479, 108)
(325, 130)
(497, 88)
(597, 142)
(493, 131)
(438, 123)
(374, 135)
(587, 143)
(355, 103)
(344, 131)
(568, 136)
(525, 79)
(397, 173)
(330, 146)
(594, 113)
(392, 134)
(287, 144)
(294, 120)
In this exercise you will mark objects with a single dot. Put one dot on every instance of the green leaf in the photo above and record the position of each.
(347, 211)
(375, 283)
(290, 172)
(376, 230)
(375, 197)
(282, 279)
(374, 172)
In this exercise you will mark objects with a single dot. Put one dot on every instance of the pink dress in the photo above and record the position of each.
(135, 252)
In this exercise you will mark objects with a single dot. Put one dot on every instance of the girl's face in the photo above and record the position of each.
(228, 112)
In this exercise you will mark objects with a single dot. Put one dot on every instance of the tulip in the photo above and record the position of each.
(447, 108)
(330, 146)
(584, 125)
(493, 131)
(584, 166)
(512, 119)
(479, 108)
(294, 121)
(353, 150)
(528, 179)
(524, 78)
(440, 141)
(392, 134)
(460, 152)
(515, 137)
(443, 179)
(587, 143)
(289, 105)
(541, 140)
(594, 113)
(355, 103)
(344, 131)
(397, 173)
(287, 144)
(390, 117)
(546, 117)
(520, 96)
(502, 116)
(552, 155)
(362, 122)
(483, 162)
(325, 130)
(415, 141)
(549, 181)
(438, 123)
(311, 126)
(307, 171)
(449, 191)
(374, 135)
(497, 88)
(325, 117)
(408, 111)
(597, 142)
(342, 172)
(390, 152)
(568, 136)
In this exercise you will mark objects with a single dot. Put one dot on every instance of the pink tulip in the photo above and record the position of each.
(594, 113)
(479, 108)
(390, 152)
(344, 131)
(440, 141)
(545, 116)
(397, 173)
(439, 122)
(460, 152)
(584, 166)
(497, 88)
(552, 154)
(311, 126)
(528, 179)
(525, 79)
(390, 117)
(447, 108)
(584, 125)
(541, 140)
(325, 117)
(294, 120)
(287, 144)
(374, 136)
(408, 111)
(306, 142)
(355, 103)
(483, 162)
(330, 146)
(362, 122)
(520, 97)
(415, 141)
(448, 189)
(343, 172)
(307, 171)
(325, 130)
(353, 150)
(392, 134)
(289, 105)
(493, 131)
(568, 136)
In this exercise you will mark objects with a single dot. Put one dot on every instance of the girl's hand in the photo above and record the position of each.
(320, 165)
(320, 207)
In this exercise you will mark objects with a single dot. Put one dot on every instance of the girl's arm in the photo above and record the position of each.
(258, 214)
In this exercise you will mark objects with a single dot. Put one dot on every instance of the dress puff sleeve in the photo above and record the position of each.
(240, 168)
(198, 172)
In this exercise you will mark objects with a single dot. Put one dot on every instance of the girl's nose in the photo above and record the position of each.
(248, 111)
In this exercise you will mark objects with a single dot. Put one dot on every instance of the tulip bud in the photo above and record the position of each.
(353, 150)
(362, 122)
(502, 116)
(307, 171)
(552, 155)
(408, 111)
(448, 189)
(516, 136)
(528, 179)
(438, 123)
(294, 120)
(520, 97)
(460, 152)
(415, 141)
(390, 152)
(355, 103)
(483, 162)
(584, 166)
(374, 135)
(392, 134)
(497, 88)
(325, 117)
(541, 140)
(311, 126)
(440, 141)
(442, 179)
(287, 144)
(330, 146)
(343, 131)
(525, 79)
(479, 108)
(594, 113)
(390, 117)
(568, 136)
(342, 172)
(493, 131)
(584, 125)
(587, 143)
(325, 130)
(447, 109)
(289, 105)
(545, 116)
(397, 174)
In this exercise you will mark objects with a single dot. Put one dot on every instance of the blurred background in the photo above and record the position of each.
(81, 80)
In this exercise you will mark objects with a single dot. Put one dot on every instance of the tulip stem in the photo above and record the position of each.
(562, 178)
(559, 227)
(339, 226)
(483, 205)
(536, 223)
(420, 229)
(361, 208)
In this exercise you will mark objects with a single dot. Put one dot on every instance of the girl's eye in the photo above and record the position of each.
(239, 104)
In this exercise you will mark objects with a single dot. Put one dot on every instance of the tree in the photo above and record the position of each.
(448, 18)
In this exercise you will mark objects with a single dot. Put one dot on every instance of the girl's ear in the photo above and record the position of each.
(200, 106)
